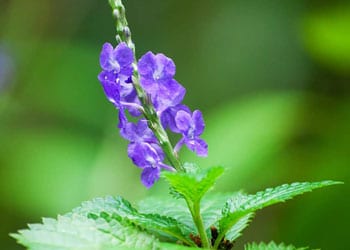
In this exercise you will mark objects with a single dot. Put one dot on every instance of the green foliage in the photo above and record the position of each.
(195, 183)
(211, 207)
(242, 206)
(113, 223)
(102, 223)
(192, 185)
(76, 231)
(117, 208)
(271, 246)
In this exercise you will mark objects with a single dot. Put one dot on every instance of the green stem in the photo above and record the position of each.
(219, 239)
(155, 124)
(198, 221)
(124, 35)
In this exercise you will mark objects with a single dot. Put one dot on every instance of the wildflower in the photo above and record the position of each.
(191, 127)
(115, 78)
(150, 158)
(156, 77)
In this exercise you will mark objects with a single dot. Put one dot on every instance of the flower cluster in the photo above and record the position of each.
(156, 78)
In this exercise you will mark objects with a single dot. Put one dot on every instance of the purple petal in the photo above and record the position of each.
(143, 155)
(198, 122)
(149, 85)
(139, 132)
(107, 76)
(124, 55)
(165, 68)
(199, 146)
(128, 132)
(183, 121)
(179, 144)
(166, 167)
(146, 65)
(169, 96)
(149, 176)
(168, 117)
(106, 58)
(122, 118)
(111, 88)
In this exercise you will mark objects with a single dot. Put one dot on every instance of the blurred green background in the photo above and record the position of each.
(271, 77)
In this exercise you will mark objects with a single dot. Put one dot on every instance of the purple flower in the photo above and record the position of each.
(115, 78)
(139, 132)
(118, 60)
(150, 158)
(191, 127)
(157, 72)
(166, 94)
(168, 117)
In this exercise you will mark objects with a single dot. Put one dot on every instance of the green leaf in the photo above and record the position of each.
(103, 223)
(242, 206)
(211, 207)
(120, 209)
(193, 184)
(271, 246)
(169, 246)
(75, 231)
(239, 226)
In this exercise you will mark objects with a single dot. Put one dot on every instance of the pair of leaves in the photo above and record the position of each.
(113, 223)
(240, 208)
(193, 184)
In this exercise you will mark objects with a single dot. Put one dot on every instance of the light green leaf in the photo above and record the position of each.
(75, 231)
(117, 208)
(169, 246)
(194, 184)
(271, 246)
(103, 223)
(211, 207)
(240, 207)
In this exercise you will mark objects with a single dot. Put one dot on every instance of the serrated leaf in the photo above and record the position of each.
(75, 231)
(168, 246)
(236, 230)
(193, 185)
(271, 246)
(239, 207)
(211, 207)
(120, 209)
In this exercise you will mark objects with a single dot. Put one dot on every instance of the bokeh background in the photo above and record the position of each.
(271, 77)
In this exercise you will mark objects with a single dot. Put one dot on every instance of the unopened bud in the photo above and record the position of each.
(116, 13)
(118, 38)
(127, 32)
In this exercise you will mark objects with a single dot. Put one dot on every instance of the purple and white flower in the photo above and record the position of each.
(166, 94)
(191, 127)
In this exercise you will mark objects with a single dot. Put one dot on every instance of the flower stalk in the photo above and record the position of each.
(124, 35)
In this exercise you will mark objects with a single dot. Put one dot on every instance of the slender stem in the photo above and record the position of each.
(219, 239)
(124, 35)
(198, 221)
(155, 125)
